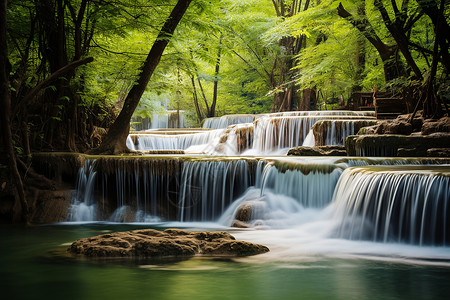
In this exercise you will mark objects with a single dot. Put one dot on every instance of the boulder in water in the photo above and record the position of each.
(250, 210)
(150, 243)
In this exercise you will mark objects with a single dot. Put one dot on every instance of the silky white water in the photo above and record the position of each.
(266, 134)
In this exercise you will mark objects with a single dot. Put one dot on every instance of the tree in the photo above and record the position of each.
(283, 83)
(388, 53)
(5, 108)
(115, 141)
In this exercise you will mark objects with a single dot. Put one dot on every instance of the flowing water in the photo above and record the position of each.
(266, 134)
(34, 266)
(336, 227)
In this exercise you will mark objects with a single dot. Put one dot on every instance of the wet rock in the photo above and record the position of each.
(250, 210)
(438, 152)
(396, 126)
(318, 151)
(395, 145)
(431, 126)
(240, 224)
(148, 243)
(416, 122)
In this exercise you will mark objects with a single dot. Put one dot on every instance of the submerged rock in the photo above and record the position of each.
(148, 243)
(318, 151)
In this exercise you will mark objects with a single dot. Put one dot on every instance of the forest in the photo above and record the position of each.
(73, 73)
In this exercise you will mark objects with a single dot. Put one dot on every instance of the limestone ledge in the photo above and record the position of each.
(398, 145)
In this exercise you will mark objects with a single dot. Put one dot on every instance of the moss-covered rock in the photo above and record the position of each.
(432, 126)
(318, 151)
(395, 145)
(150, 243)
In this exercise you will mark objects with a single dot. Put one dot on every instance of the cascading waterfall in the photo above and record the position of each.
(275, 133)
(311, 186)
(165, 119)
(84, 206)
(227, 120)
(207, 188)
(206, 141)
(403, 204)
(126, 190)
(334, 132)
(147, 189)
(269, 133)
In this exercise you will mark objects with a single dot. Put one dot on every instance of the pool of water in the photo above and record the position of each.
(34, 265)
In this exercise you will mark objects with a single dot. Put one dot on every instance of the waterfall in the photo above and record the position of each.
(205, 141)
(273, 133)
(84, 206)
(165, 119)
(144, 189)
(334, 132)
(227, 120)
(207, 188)
(268, 134)
(310, 185)
(403, 204)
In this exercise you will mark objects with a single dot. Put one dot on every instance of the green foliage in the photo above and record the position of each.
(248, 34)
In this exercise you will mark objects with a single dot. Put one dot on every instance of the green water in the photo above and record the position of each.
(34, 265)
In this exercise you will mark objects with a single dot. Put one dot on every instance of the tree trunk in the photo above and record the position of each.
(195, 97)
(5, 114)
(360, 57)
(283, 84)
(397, 32)
(387, 53)
(203, 95)
(212, 111)
(437, 16)
(115, 140)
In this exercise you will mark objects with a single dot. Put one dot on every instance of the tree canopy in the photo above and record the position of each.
(226, 56)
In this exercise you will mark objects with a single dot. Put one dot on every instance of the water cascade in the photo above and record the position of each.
(389, 200)
(259, 134)
(208, 187)
(334, 132)
(227, 120)
(395, 204)
(206, 140)
(275, 133)
(166, 119)
(149, 188)
(311, 185)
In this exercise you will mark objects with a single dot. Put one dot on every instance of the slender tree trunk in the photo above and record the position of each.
(115, 140)
(360, 56)
(212, 111)
(5, 114)
(195, 97)
(203, 96)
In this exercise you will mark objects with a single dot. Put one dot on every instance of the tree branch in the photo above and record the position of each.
(46, 82)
